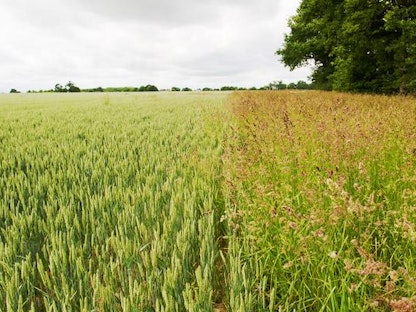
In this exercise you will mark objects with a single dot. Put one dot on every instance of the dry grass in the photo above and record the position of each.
(323, 200)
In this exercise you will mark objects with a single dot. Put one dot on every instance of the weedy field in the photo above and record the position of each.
(250, 201)
(322, 202)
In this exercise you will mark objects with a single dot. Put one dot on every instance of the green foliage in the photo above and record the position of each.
(356, 45)
(400, 19)
(14, 91)
(99, 89)
(303, 85)
(313, 35)
(148, 88)
(59, 88)
(121, 89)
(278, 85)
(69, 87)
(228, 88)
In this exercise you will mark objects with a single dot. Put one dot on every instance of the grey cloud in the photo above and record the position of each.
(162, 12)
(126, 42)
(173, 13)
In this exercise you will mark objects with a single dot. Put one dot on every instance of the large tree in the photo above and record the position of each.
(356, 45)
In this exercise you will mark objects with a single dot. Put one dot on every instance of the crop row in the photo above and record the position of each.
(109, 203)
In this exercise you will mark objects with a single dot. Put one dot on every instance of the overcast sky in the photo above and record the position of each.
(184, 43)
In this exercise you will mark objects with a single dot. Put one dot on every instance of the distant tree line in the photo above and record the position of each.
(71, 87)
(276, 85)
(300, 85)
(147, 88)
(176, 89)
(355, 45)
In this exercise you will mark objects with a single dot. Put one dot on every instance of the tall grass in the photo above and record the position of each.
(110, 202)
(261, 201)
(322, 202)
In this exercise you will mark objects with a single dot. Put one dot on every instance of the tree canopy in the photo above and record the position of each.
(69, 87)
(355, 45)
(148, 87)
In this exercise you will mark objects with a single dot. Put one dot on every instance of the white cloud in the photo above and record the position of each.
(119, 43)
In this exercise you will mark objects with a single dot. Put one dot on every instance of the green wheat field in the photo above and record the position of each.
(207, 201)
